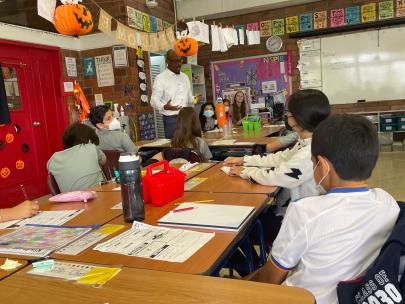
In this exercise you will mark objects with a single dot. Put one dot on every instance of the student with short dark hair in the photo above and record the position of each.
(291, 168)
(77, 167)
(188, 133)
(109, 130)
(336, 236)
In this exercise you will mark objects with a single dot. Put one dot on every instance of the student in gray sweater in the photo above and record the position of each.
(77, 167)
(109, 130)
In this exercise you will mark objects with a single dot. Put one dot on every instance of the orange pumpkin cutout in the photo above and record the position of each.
(186, 46)
(19, 164)
(5, 172)
(73, 19)
(9, 138)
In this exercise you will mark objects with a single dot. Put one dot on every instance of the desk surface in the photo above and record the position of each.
(202, 262)
(219, 182)
(148, 286)
(6, 273)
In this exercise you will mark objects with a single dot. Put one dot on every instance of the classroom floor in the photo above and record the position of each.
(389, 174)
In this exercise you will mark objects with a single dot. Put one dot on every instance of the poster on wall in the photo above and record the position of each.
(120, 56)
(104, 71)
(258, 77)
(71, 66)
(88, 67)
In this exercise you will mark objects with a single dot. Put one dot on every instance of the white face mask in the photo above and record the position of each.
(114, 125)
(319, 187)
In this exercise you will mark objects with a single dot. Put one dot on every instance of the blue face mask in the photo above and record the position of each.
(208, 113)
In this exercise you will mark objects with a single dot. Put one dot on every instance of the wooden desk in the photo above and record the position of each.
(6, 273)
(202, 262)
(200, 168)
(219, 182)
(148, 287)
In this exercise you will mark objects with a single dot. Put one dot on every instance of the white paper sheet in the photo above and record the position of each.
(253, 37)
(195, 181)
(199, 31)
(151, 242)
(64, 270)
(215, 38)
(241, 36)
(46, 9)
(44, 218)
(156, 143)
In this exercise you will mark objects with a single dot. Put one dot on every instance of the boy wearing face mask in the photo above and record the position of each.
(109, 130)
(336, 236)
(208, 120)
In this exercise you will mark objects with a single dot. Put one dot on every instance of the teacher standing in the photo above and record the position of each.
(171, 92)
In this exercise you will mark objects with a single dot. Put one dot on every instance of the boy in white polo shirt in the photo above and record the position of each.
(336, 236)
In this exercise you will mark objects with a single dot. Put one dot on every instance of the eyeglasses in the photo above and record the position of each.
(285, 114)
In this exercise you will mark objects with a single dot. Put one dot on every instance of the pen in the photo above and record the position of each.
(183, 209)
(24, 192)
(202, 201)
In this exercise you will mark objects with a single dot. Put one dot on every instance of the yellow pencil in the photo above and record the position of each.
(199, 202)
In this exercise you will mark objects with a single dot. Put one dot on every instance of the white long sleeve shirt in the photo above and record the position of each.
(174, 87)
(291, 169)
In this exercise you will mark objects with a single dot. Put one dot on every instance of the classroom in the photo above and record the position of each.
(217, 151)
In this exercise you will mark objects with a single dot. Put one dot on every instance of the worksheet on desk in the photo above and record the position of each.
(56, 218)
(151, 242)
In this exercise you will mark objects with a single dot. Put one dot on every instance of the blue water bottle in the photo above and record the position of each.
(131, 188)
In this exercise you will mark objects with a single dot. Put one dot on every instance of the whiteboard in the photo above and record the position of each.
(366, 65)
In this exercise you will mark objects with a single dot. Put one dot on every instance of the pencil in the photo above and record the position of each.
(199, 202)
(24, 192)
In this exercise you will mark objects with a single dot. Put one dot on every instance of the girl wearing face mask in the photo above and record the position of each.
(238, 108)
(109, 130)
(208, 119)
(291, 168)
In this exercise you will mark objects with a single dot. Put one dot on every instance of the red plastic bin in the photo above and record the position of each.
(164, 186)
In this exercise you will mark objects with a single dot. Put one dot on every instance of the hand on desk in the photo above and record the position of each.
(233, 161)
(170, 107)
(236, 171)
(21, 211)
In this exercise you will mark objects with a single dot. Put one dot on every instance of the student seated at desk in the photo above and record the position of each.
(336, 236)
(109, 130)
(238, 108)
(188, 133)
(227, 106)
(78, 166)
(282, 142)
(21, 211)
(292, 168)
(208, 120)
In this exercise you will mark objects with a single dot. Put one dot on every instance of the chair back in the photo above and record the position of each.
(52, 184)
(188, 154)
(111, 163)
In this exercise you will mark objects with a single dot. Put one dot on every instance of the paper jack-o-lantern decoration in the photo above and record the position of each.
(19, 164)
(81, 102)
(4, 172)
(73, 19)
(186, 46)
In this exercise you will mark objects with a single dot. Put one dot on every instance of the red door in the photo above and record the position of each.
(38, 112)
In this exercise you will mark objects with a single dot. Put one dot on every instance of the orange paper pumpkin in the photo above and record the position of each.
(186, 46)
(73, 19)
(19, 164)
(4, 172)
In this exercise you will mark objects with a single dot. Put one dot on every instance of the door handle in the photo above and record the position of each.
(36, 123)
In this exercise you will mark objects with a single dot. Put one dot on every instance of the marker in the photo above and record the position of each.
(196, 202)
(183, 209)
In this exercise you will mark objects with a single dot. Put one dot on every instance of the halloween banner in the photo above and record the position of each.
(368, 12)
(352, 15)
(104, 22)
(320, 20)
(386, 10)
(306, 22)
(292, 24)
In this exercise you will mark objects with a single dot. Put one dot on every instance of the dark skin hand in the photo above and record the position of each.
(174, 63)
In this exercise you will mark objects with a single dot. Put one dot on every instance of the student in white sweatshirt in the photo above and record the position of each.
(291, 168)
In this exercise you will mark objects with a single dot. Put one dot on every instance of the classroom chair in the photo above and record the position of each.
(190, 155)
(52, 184)
(111, 163)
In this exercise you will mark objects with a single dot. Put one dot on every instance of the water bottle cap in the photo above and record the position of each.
(219, 99)
(127, 157)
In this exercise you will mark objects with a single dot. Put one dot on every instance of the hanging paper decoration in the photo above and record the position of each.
(386, 9)
(352, 15)
(265, 28)
(73, 19)
(291, 24)
(81, 102)
(368, 12)
(337, 17)
(186, 46)
(400, 8)
(306, 22)
(277, 26)
(320, 20)
(142, 77)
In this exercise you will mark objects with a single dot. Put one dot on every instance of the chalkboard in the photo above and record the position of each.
(366, 65)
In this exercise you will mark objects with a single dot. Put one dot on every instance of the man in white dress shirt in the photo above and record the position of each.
(171, 92)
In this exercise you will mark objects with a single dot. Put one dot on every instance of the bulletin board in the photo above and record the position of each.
(261, 76)
(147, 126)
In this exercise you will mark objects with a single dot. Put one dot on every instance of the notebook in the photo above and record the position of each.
(209, 216)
